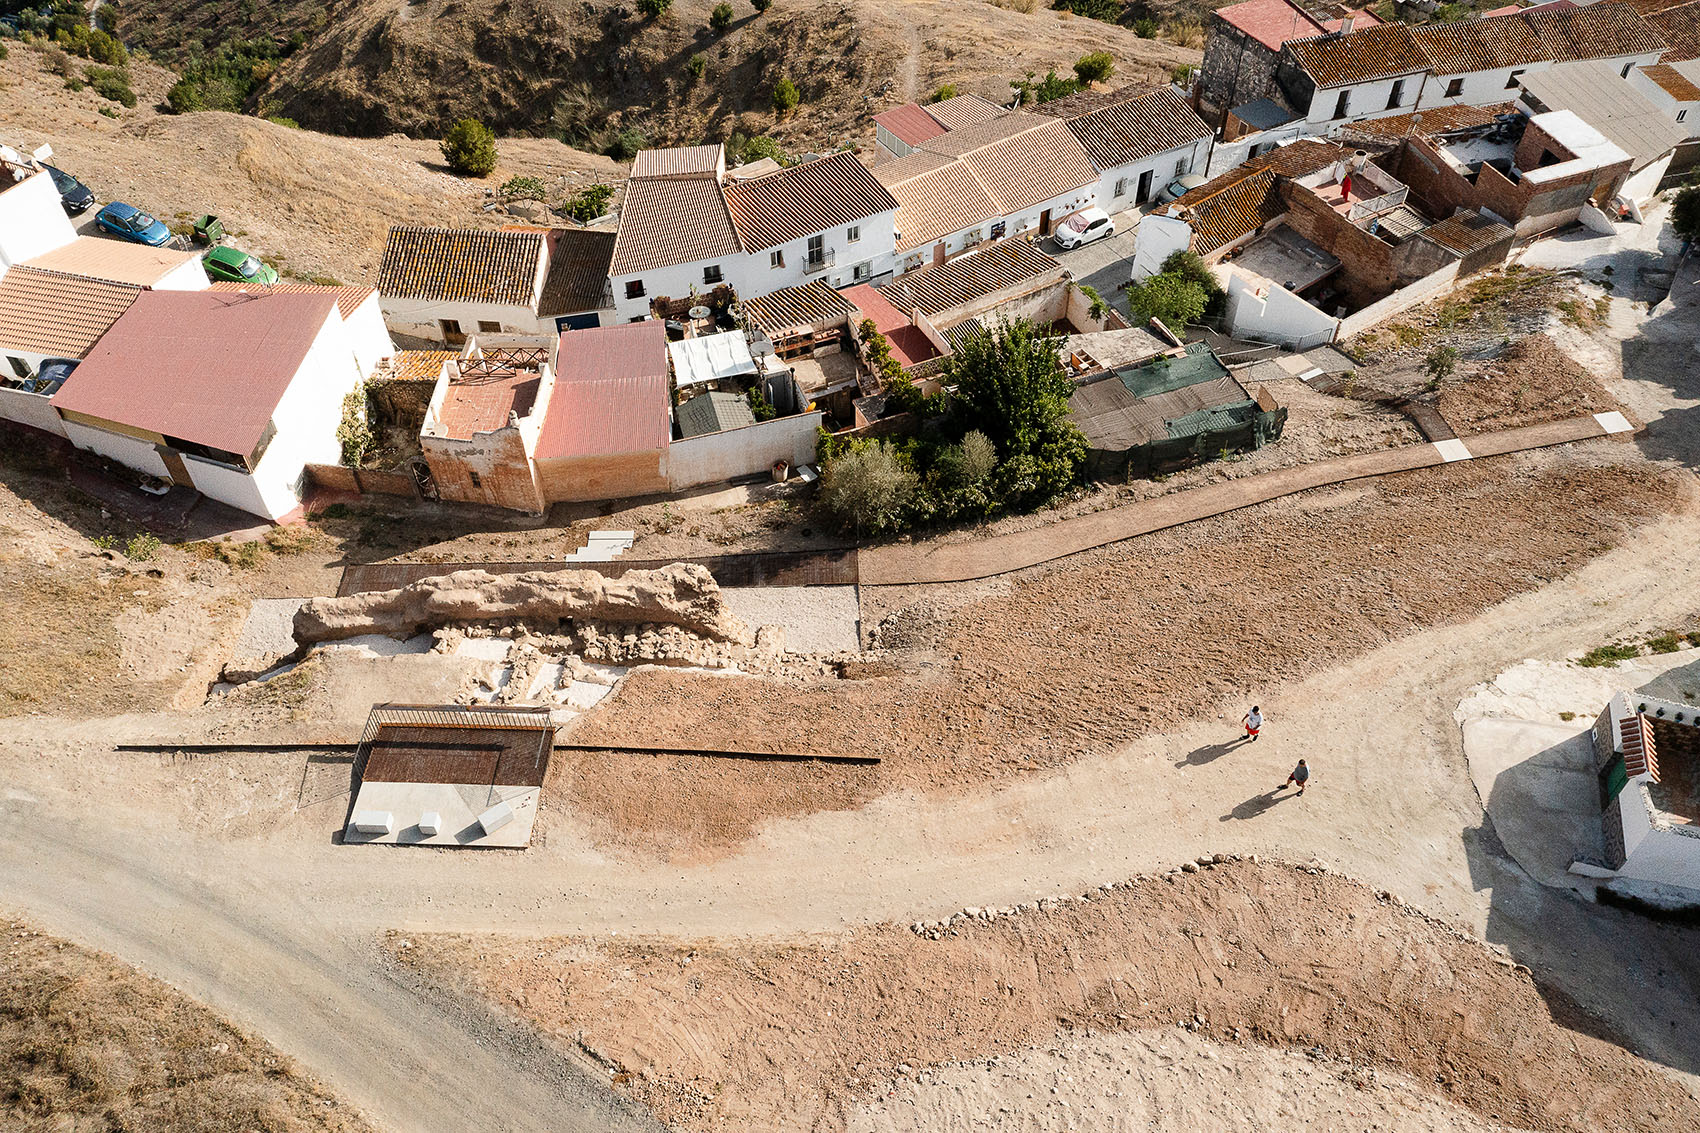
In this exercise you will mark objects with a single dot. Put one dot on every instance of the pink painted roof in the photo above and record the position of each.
(610, 393)
(910, 123)
(203, 366)
(909, 345)
(1513, 9)
(1274, 22)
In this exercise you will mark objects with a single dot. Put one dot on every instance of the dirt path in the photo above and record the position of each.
(244, 947)
(898, 564)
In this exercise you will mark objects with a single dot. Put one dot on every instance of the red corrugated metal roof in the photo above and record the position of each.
(908, 344)
(610, 393)
(910, 124)
(203, 366)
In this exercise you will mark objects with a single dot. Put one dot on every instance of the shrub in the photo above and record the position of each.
(590, 203)
(1107, 10)
(55, 60)
(696, 65)
(226, 79)
(1048, 89)
(947, 90)
(1602, 655)
(1441, 361)
(868, 489)
(759, 147)
(354, 433)
(721, 18)
(626, 143)
(785, 96)
(111, 83)
(287, 123)
(3, 51)
(142, 546)
(1173, 299)
(1146, 28)
(654, 9)
(761, 5)
(1191, 267)
(524, 188)
(1685, 212)
(470, 148)
(1094, 67)
(760, 407)
(1097, 310)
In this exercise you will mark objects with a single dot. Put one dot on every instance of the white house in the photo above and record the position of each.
(359, 307)
(687, 228)
(1139, 138)
(1647, 751)
(232, 394)
(1675, 89)
(32, 220)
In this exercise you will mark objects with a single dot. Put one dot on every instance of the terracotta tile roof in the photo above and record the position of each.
(964, 110)
(419, 365)
(815, 196)
(1135, 125)
(1546, 34)
(943, 197)
(941, 287)
(1468, 232)
(1435, 120)
(1020, 159)
(1245, 198)
(168, 365)
(578, 271)
(1359, 56)
(611, 393)
(113, 260)
(49, 312)
(466, 264)
(348, 296)
(807, 304)
(1673, 82)
(666, 222)
(909, 345)
(681, 161)
(1680, 27)
(910, 123)
(1274, 22)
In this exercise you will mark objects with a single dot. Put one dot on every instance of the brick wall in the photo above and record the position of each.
(403, 403)
(494, 470)
(1640, 755)
(1366, 270)
(607, 477)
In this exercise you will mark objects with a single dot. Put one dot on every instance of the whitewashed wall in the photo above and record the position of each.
(32, 221)
(131, 452)
(30, 409)
(749, 451)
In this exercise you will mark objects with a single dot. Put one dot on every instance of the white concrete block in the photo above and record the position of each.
(1614, 422)
(373, 822)
(430, 824)
(1451, 450)
(495, 818)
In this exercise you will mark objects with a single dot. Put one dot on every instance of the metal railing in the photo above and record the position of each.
(827, 258)
(1379, 204)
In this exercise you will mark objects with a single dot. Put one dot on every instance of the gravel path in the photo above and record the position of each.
(817, 619)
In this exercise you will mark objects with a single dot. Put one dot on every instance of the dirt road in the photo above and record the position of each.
(247, 948)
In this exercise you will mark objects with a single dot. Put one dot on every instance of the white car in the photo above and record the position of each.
(1084, 227)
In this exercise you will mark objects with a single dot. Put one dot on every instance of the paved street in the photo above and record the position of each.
(1104, 264)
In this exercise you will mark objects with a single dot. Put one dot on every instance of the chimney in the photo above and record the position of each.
(1346, 23)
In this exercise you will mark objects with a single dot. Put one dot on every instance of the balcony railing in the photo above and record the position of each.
(825, 259)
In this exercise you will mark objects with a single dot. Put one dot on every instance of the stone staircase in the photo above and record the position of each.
(602, 547)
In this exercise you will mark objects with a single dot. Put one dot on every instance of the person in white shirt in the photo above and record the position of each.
(1253, 723)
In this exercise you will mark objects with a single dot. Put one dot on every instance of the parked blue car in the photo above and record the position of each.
(127, 222)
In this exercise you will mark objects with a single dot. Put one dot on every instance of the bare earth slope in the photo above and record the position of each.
(378, 66)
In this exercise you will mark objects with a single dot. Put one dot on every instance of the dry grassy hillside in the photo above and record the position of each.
(588, 68)
(317, 206)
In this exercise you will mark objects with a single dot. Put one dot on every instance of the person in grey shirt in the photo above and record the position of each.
(1300, 775)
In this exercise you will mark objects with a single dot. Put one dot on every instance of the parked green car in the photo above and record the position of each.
(237, 266)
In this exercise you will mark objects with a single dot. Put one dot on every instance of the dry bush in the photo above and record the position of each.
(1027, 6)
(1185, 33)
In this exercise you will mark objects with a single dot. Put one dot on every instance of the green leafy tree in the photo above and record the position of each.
(785, 96)
(1172, 299)
(946, 90)
(868, 488)
(626, 143)
(470, 148)
(761, 5)
(759, 147)
(1191, 267)
(1685, 212)
(721, 17)
(590, 203)
(1094, 67)
(1011, 388)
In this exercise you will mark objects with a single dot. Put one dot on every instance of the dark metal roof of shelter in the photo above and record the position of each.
(456, 745)
(714, 412)
(1166, 397)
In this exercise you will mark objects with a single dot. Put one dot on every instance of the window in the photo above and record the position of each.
(862, 271)
(1627, 67)
(1343, 105)
(1454, 88)
(1180, 168)
(1512, 80)
(1121, 187)
(712, 274)
(19, 366)
(1396, 97)
(485, 326)
(817, 249)
(853, 234)
(972, 236)
(450, 326)
(776, 258)
(1681, 114)
(634, 289)
(476, 482)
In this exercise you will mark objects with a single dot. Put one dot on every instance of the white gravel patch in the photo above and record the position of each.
(270, 627)
(817, 619)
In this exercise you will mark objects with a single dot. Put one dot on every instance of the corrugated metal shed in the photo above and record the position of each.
(910, 124)
(610, 393)
(713, 412)
(1602, 98)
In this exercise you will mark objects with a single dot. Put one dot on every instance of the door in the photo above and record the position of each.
(938, 252)
(1045, 223)
(1143, 193)
(452, 333)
